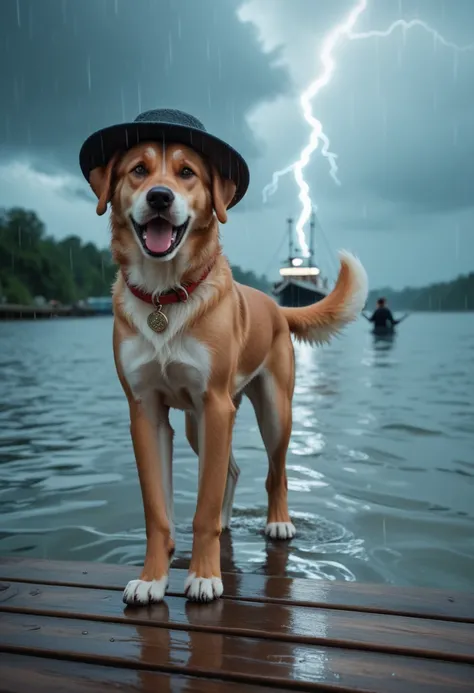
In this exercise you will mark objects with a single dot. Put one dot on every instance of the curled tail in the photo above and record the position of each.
(319, 322)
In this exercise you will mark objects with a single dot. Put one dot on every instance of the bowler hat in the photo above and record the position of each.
(166, 125)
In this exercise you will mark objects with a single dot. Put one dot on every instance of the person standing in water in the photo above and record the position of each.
(382, 317)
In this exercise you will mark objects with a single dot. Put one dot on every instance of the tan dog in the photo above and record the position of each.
(224, 341)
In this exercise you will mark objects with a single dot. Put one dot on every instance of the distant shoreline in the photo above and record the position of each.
(13, 312)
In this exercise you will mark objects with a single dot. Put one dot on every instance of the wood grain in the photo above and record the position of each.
(279, 665)
(375, 632)
(372, 598)
(24, 674)
(63, 626)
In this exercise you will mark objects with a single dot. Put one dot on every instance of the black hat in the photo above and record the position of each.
(166, 125)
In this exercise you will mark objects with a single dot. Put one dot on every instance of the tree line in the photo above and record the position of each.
(32, 264)
(456, 295)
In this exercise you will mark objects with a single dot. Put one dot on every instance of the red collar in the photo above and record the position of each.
(178, 295)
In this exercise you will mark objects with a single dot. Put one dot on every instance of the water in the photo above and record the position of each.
(381, 464)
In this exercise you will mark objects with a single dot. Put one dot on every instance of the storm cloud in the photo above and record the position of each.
(399, 112)
(68, 68)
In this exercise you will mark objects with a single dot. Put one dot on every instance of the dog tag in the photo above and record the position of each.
(157, 321)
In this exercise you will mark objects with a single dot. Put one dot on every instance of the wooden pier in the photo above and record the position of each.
(11, 311)
(16, 312)
(64, 628)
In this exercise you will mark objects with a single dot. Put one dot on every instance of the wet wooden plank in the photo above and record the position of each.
(280, 665)
(25, 674)
(396, 634)
(375, 598)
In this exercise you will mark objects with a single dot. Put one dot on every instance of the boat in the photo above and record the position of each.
(301, 282)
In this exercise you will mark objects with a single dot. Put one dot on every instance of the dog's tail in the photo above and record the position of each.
(319, 322)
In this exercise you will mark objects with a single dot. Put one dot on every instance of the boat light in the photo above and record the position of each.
(297, 261)
(299, 271)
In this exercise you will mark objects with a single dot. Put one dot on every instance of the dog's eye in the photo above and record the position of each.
(140, 170)
(186, 172)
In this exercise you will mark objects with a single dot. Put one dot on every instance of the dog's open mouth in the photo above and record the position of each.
(158, 236)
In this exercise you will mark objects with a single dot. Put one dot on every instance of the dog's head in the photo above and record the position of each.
(163, 199)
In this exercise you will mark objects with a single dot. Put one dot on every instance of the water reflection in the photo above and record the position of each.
(378, 353)
(384, 342)
(205, 644)
(252, 657)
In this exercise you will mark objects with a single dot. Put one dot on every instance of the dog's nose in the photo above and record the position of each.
(160, 197)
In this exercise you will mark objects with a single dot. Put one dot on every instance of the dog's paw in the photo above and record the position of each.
(142, 592)
(199, 589)
(280, 530)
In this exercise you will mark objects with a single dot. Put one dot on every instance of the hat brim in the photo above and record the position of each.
(100, 147)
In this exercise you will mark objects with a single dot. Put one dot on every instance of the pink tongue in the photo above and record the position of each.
(158, 235)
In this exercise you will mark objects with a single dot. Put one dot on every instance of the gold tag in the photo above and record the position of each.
(157, 321)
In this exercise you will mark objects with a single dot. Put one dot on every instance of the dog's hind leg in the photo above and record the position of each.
(232, 478)
(271, 394)
(232, 473)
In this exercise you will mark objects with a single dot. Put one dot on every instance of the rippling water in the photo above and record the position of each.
(381, 463)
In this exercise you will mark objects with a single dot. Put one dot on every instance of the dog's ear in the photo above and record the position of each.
(100, 180)
(223, 191)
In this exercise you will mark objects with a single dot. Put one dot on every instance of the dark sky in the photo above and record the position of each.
(399, 112)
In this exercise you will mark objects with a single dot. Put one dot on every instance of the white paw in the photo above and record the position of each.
(140, 592)
(280, 530)
(203, 589)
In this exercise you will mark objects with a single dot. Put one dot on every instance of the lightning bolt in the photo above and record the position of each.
(342, 30)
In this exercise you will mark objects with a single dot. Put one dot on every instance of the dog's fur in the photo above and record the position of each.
(226, 341)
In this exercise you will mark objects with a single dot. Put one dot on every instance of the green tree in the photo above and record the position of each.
(34, 264)
(15, 291)
(251, 279)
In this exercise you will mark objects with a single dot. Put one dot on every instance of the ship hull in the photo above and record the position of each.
(294, 295)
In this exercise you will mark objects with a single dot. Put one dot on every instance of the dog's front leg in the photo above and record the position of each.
(215, 435)
(152, 438)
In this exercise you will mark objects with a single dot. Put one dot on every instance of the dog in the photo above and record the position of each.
(201, 352)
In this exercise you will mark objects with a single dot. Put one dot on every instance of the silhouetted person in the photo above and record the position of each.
(382, 317)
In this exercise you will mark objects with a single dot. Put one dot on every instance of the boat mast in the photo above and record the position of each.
(290, 239)
(312, 227)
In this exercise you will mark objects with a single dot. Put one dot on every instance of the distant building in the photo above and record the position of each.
(100, 304)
